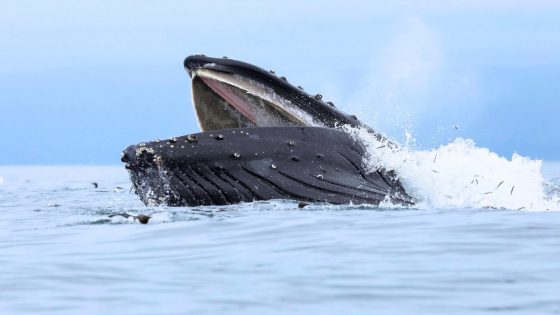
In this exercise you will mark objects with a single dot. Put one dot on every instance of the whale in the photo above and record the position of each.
(262, 138)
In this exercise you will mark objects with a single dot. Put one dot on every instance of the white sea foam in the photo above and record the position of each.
(411, 82)
(462, 175)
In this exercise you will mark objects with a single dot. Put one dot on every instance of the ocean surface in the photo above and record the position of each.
(61, 253)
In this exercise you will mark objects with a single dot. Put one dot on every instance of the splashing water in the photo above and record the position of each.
(461, 175)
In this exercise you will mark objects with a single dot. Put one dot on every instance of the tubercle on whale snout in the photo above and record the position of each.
(149, 154)
(137, 157)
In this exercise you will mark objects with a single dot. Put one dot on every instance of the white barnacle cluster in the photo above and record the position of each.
(143, 150)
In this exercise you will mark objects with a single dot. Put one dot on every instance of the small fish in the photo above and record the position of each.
(142, 218)
(302, 205)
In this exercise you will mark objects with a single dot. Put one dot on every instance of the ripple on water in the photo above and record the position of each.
(60, 246)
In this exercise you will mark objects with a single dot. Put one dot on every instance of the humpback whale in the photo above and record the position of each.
(262, 138)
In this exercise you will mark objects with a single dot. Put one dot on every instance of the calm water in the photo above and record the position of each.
(61, 254)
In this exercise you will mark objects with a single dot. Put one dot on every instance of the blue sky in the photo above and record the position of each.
(79, 81)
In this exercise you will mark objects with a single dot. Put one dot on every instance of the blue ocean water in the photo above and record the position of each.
(60, 253)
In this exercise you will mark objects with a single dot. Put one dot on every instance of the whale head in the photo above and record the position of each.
(233, 94)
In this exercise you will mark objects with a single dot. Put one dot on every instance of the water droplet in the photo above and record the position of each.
(295, 158)
(236, 155)
(158, 141)
(320, 156)
(331, 104)
(191, 138)
(142, 144)
(219, 137)
(273, 166)
(318, 97)
(354, 117)
(283, 78)
(172, 139)
(320, 176)
(299, 87)
(291, 143)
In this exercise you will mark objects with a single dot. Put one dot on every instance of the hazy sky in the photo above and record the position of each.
(79, 81)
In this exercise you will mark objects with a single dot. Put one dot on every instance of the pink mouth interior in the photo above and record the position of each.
(236, 101)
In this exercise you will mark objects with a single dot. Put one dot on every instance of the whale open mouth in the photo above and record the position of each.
(232, 94)
(222, 100)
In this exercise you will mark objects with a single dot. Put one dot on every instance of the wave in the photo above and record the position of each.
(462, 175)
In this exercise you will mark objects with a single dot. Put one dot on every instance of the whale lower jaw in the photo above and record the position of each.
(248, 164)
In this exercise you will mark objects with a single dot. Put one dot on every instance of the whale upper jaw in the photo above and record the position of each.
(232, 94)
